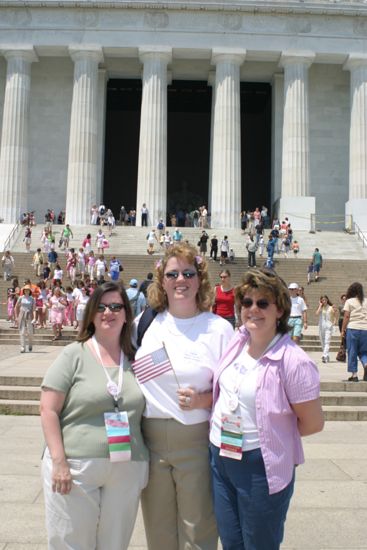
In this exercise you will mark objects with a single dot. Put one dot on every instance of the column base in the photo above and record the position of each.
(298, 210)
(355, 212)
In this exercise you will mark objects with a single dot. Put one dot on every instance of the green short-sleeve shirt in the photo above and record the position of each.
(77, 373)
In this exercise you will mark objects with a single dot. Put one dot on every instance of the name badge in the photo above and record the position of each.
(231, 437)
(118, 436)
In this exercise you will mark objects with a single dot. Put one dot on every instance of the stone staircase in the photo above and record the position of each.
(340, 400)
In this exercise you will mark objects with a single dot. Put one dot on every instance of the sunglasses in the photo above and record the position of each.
(114, 308)
(261, 304)
(186, 274)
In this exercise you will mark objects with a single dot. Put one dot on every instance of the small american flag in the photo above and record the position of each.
(152, 365)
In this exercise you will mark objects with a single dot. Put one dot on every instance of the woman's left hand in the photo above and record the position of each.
(189, 399)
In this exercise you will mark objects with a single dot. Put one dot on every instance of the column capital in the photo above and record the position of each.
(355, 60)
(86, 51)
(164, 53)
(229, 55)
(24, 52)
(296, 57)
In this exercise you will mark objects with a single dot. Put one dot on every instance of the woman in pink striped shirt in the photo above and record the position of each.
(266, 396)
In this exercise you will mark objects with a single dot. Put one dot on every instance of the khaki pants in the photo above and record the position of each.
(177, 503)
(100, 511)
(26, 329)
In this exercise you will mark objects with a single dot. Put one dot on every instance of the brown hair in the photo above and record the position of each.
(88, 328)
(273, 287)
(157, 297)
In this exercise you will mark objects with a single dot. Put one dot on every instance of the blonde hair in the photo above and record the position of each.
(157, 297)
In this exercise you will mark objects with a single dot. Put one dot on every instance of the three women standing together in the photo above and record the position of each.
(266, 393)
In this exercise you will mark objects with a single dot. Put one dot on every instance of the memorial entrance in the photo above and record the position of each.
(188, 145)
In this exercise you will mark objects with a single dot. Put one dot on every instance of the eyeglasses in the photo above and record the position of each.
(114, 308)
(261, 304)
(186, 274)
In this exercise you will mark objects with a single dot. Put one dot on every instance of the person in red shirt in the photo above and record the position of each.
(224, 298)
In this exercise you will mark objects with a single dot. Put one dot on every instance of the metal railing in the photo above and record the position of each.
(360, 234)
(13, 233)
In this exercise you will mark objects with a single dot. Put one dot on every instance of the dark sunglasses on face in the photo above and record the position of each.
(114, 308)
(186, 274)
(263, 303)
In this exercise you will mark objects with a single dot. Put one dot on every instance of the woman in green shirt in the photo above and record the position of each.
(95, 464)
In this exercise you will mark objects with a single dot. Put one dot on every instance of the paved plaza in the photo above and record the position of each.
(328, 511)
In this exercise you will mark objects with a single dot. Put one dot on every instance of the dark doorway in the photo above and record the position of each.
(188, 144)
(255, 145)
(188, 147)
(122, 144)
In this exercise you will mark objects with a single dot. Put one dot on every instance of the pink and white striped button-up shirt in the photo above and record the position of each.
(288, 376)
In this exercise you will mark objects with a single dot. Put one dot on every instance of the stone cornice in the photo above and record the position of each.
(323, 7)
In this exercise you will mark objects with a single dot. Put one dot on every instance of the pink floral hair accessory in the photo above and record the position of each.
(158, 264)
(199, 260)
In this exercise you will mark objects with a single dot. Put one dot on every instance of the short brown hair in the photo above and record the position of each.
(88, 328)
(272, 286)
(157, 297)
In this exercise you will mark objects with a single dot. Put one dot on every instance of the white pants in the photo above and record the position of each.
(100, 511)
(26, 329)
(326, 332)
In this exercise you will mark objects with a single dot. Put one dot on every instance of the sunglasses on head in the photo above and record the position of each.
(186, 274)
(263, 303)
(114, 308)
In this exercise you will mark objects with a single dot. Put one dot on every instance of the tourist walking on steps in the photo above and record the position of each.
(202, 244)
(224, 251)
(327, 320)
(213, 248)
(355, 329)
(298, 315)
(144, 215)
(317, 263)
(88, 481)
(251, 247)
(7, 261)
(25, 313)
(57, 304)
(177, 503)
(27, 238)
(152, 239)
(65, 237)
(266, 396)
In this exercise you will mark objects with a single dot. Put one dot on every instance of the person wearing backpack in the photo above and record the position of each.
(136, 298)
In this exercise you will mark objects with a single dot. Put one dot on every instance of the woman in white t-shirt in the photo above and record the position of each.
(355, 329)
(186, 336)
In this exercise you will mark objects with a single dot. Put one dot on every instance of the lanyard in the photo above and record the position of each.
(112, 388)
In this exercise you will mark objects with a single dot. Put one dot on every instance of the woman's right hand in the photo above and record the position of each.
(61, 477)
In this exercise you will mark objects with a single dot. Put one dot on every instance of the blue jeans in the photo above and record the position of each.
(356, 348)
(248, 518)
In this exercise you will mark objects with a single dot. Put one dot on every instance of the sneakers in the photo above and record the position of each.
(22, 350)
(325, 359)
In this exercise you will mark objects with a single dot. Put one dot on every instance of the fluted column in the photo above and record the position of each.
(152, 166)
(357, 203)
(296, 148)
(14, 135)
(226, 153)
(357, 65)
(81, 188)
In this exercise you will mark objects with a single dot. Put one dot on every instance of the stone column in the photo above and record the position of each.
(81, 191)
(14, 136)
(226, 154)
(295, 201)
(357, 203)
(152, 166)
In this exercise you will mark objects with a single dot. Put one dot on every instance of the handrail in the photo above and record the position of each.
(12, 233)
(360, 234)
